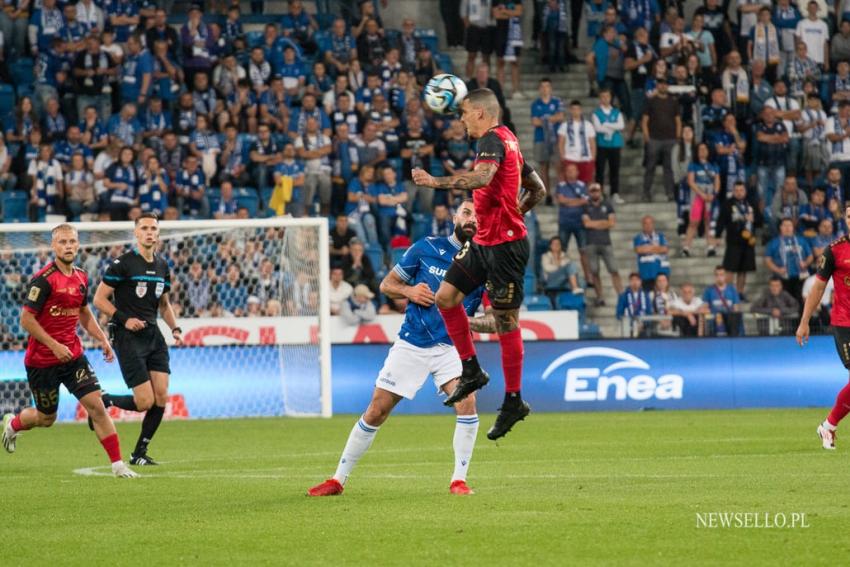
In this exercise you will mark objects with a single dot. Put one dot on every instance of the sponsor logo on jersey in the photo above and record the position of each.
(141, 289)
(34, 293)
(56, 311)
(592, 383)
(160, 287)
(435, 271)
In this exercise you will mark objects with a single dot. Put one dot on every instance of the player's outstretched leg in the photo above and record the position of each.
(826, 430)
(513, 408)
(106, 434)
(450, 303)
(359, 441)
(24, 421)
(466, 430)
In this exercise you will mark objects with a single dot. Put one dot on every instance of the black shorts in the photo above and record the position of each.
(842, 344)
(738, 259)
(501, 268)
(140, 353)
(479, 40)
(77, 376)
(500, 41)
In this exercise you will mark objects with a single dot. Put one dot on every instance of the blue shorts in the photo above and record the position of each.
(566, 231)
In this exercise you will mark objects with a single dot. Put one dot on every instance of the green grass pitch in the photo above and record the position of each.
(561, 489)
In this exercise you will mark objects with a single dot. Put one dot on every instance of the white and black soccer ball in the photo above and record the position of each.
(444, 93)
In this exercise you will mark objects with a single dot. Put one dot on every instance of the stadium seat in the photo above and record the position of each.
(265, 198)
(376, 256)
(444, 62)
(396, 163)
(569, 301)
(254, 38)
(392, 36)
(397, 253)
(247, 197)
(437, 169)
(421, 226)
(530, 283)
(214, 197)
(588, 331)
(7, 99)
(22, 71)
(247, 141)
(537, 302)
(15, 206)
(428, 37)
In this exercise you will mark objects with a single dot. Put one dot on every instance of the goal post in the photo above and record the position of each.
(252, 298)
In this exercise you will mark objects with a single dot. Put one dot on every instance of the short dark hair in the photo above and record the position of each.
(575, 102)
(775, 278)
(147, 215)
(719, 268)
(634, 275)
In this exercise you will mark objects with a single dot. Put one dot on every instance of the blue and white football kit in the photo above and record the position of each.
(423, 345)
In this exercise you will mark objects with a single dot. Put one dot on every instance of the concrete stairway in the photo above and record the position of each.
(697, 269)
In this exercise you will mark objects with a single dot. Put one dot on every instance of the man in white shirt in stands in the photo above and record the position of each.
(838, 134)
(340, 290)
(686, 309)
(815, 34)
(787, 110)
(577, 143)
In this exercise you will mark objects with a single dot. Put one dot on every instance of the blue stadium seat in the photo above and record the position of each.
(569, 301)
(254, 38)
(214, 197)
(247, 197)
(247, 140)
(325, 20)
(22, 71)
(444, 62)
(396, 163)
(428, 37)
(265, 197)
(376, 256)
(392, 36)
(587, 331)
(537, 302)
(397, 253)
(15, 206)
(323, 40)
(7, 99)
(437, 168)
(530, 283)
(421, 226)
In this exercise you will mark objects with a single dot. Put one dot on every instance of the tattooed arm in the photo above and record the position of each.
(478, 177)
(485, 323)
(534, 192)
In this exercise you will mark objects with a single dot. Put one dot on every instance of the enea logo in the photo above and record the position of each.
(640, 386)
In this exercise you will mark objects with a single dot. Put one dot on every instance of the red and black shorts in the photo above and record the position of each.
(501, 268)
(842, 344)
(77, 376)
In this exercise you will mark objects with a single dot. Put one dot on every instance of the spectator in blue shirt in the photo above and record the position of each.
(292, 167)
(634, 302)
(359, 205)
(71, 146)
(441, 222)
(651, 249)
(391, 197)
(572, 197)
(292, 71)
(53, 124)
(789, 257)
(299, 26)
(725, 305)
(50, 73)
(124, 126)
(136, 73)
(153, 189)
(232, 294)
(192, 199)
(547, 113)
(309, 109)
(340, 49)
(122, 181)
(227, 205)
(233, 26)
(812, 213)
(94, 134)
(45, 25)
(123, 17)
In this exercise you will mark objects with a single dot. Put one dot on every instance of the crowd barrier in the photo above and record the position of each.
(710, 373)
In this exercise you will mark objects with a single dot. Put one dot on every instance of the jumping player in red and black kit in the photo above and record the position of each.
(497, 256)
(835, 264)
(57, 299)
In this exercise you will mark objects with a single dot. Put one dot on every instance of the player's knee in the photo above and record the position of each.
(97, 412)
(143, 403)
(445, 299)
(46, 420)
(376, 414)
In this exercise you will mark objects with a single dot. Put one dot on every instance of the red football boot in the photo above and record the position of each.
(330, 487)
(459, 487)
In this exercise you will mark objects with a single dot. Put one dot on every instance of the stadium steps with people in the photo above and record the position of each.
(698, 269)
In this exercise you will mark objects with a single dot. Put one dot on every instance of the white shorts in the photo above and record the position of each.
(407, 367)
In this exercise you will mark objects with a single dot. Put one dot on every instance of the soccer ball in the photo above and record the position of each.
(444, 93)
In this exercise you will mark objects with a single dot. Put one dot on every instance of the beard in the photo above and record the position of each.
(462, 234)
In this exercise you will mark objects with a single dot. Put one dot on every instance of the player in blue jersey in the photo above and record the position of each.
(423, 347)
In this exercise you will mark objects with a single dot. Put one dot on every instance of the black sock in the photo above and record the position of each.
(471, 363)
(149, 426)
(513, 398)
(123, 402)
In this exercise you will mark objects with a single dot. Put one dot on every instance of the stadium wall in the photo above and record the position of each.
(559, 376)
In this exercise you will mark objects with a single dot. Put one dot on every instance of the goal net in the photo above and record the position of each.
(250, 295)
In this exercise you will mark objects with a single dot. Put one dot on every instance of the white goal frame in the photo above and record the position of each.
(321, 224)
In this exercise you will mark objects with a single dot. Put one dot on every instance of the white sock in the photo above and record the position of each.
(362, 435)
(466, 429)
(828, 425)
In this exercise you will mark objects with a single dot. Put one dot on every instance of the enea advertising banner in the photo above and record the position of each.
(242, 381)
